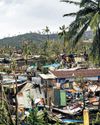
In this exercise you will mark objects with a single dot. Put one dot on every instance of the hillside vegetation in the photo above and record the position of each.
(33, 37)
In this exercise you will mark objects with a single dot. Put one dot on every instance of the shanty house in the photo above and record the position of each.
(70, 74)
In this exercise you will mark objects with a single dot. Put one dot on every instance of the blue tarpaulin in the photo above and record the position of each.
(72, 121)
(55, 65)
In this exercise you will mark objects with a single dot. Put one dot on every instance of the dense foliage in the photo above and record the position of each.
(88, 16)
(33, 37)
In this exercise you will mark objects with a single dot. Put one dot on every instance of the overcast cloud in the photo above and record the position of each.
(21, 16)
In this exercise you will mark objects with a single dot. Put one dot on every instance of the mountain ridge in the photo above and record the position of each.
(34, 37)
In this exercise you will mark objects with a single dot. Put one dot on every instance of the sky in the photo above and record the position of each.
(23, 16)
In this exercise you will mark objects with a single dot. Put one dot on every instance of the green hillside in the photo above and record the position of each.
(33, 37)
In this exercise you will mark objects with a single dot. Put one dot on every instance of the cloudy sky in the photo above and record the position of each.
(21, 16)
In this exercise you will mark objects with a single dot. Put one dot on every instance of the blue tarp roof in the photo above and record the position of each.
(55, 65)
(72, 121)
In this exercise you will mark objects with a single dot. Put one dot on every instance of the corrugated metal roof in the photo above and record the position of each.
(47, 76)
(76, 73)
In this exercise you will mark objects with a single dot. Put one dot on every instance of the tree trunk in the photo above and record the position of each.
(4, 98)
(99, 44)
(16, 122)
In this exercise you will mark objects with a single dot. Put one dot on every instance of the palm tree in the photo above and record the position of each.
(88, 16)
(63, 34)
(46, 31)
(26, 51)
(5, 113)
(14, 67)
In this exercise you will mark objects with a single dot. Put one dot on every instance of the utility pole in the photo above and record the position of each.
(86, 117)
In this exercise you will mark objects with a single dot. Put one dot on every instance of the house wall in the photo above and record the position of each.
(24, 99)
(62, 80)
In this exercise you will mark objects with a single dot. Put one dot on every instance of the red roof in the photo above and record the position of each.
(76, 73)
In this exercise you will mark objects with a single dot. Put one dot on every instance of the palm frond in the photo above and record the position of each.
(87, 2)
(60, 34)
(88, 15)
(71, 2)
(76, 25)
(73, 29)
(96, 46)
(95, 22)
(80, 20)
(80, 33)
(85, 11)
(70, 14)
